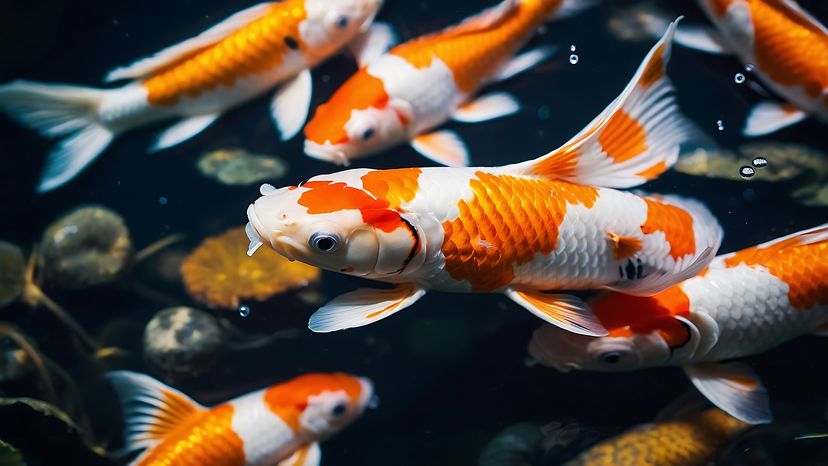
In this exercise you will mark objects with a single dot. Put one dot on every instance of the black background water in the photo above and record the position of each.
(450, 370)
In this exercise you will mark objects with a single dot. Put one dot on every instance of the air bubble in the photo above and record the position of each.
(749, 68)
(720, 125)
(572, 48)
(747, 172)
(739, 78)
(573, 58)
(760, 162)
(162, 200)
(544, 113)
(244, 310)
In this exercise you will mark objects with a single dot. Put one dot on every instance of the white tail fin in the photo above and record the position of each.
(55, 111)
(635, 139)
(151, 409)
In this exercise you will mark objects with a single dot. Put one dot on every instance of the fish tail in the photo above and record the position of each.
(59, 111)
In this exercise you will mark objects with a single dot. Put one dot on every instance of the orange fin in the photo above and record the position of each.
(362, 307)
(734, 388)
(151, 409)
(811, 236)
(625, 246)
(635, 139)
(170, 55)
(310, 455)
(565, 311)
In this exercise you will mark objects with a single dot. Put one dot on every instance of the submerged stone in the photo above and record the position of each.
(182, 340)
(237, 167)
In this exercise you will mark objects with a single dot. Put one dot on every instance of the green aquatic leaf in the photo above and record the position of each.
(10, 456)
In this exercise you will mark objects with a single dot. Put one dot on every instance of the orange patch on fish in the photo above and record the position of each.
(624, 246)
(475, 50)
(622, 138)
(206, 439)
(289, 400)
(655, 70)
(675, 223)
(789, 49)
(397, 186)
(505, 224)
(624, 315)
(804, 267)
(324, 197)
(254, 48)
(361, 91)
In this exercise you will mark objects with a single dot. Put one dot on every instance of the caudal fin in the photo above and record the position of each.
(55, 111)
(635, 139)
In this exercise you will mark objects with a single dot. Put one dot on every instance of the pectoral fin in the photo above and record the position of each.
(768, 117)
(290, 104)
(310, 455)
(565, 311)
(183, 130)
(734, 388)
(523, 62)
(702, 38)
(624, 246)
(362, 307)
(444, 147)
(371, 44)
(487, 107)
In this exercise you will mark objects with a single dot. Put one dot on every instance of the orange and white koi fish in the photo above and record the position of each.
(280, 425)
(547, 224)
(782, 44)
(197, 80)
(745, 303)
(419, 85)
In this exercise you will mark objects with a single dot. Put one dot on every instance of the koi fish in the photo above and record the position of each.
(745, 303)
(779, 41)
(553, 223)
(279, 425)
(197, 80)
(419, 85)
(691, 437)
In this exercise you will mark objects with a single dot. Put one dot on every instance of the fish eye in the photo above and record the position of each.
(339, 410)
(324, 242)
(342, 22)
(611, 357)
(369, 133)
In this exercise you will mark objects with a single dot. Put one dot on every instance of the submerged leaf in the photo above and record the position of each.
(220, 274)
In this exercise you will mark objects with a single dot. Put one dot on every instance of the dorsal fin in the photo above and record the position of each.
(170, 55)
(151, 409)
(483, 20)
(635, 139)
(810, 236)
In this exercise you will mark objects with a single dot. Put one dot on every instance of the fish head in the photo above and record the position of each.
(319, 405)
(330, 24)
(333, 223)
(360, 119)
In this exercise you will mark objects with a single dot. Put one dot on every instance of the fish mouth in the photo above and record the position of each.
(326, 152)
(258, 234)
(253, 230)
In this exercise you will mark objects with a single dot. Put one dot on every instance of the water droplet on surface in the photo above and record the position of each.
(162, 200)
(739, 78)
(573, 58)
(244, 310)
(720, 125)
(747, 172)
(572, 48)
(760, 162)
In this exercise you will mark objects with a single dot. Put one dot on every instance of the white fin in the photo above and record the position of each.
(54, 111)
(362, 307)
(523, 62)
(290, 105)
(444, 147)
(657, 282)
(485, 19)
(811, 236)
(708, 332)
(768, 117)
(487, 107)
(565, 311)
(635, 139)
(734, 388)
(310, 455)
(149, 65)
(373, 43)
(182, 131)
(150, 408)
(255, 241)
(702, 38)
(571, 8)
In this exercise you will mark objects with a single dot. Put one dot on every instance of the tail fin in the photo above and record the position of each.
(151, 409)
(635, 139)
(59, 111)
